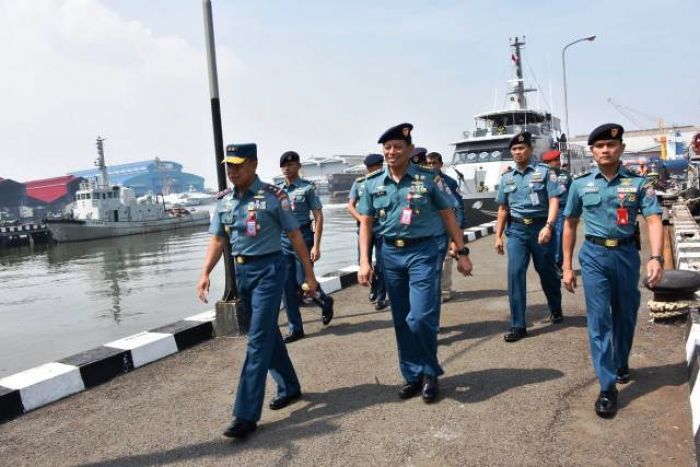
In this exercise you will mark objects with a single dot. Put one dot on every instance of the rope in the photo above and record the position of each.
(667, 310)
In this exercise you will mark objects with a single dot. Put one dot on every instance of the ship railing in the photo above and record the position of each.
(576, 151)
(507, 130)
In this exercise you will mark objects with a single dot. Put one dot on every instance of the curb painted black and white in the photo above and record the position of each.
(44, 384)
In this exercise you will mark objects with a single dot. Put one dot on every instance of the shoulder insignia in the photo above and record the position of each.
(223, 193)
(275, 190)
(425, 169)
(374, 174)
(576, 177)
(359, 179)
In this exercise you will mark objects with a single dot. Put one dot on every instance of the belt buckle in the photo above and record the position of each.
(240, 260)
(527, 220)
(611, 242)
(400, 243)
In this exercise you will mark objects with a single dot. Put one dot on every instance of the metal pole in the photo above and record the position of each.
(230, 289)
(563, 66)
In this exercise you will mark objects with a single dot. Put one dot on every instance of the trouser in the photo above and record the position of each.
(610, 278)
(293, 279)
(522, 243)
(557, 238)
(260, 292)
(410, 276)
(442, 243)
(377, 286)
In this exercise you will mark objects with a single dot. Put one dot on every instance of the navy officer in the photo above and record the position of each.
(254, 214)
(304, 203)
(609, 198)
(412, 208)
(553, 160)
(527, 209)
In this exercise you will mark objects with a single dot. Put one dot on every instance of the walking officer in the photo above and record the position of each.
(553, 160)
(609, 199)
(254, 214)
(527, 209)
(304, 202)
(377, 294)
(411, 208)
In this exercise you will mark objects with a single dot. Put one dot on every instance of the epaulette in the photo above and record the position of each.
(374, 174)
(223, 193)
(275, 190)
(509, 169)
(425, 168)
(359, 179)
(542, 164)
(580, 175)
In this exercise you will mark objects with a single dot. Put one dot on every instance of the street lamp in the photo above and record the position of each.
(563, 67)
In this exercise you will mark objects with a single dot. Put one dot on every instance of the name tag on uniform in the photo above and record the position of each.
(534, 199)
(251, 225)
(623, 216)
(406, 215)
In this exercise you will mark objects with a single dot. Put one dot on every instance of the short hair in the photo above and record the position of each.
(434, 155)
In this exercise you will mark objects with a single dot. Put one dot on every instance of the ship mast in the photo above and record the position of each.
(517, 94)
(100, 162)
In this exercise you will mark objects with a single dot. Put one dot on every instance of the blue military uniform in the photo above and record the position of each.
(378, 286)
(564, 180)
(255, 220)
(610, 262)
(408, 221)
(526, 196)
(302, 199)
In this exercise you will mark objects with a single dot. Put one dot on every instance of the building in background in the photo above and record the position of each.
(154, 176)
(52, 194)
(655, 143)
(13, 198)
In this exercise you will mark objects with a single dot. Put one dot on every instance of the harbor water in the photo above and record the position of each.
(61, 299)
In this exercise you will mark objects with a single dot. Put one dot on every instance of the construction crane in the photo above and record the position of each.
(633, 115)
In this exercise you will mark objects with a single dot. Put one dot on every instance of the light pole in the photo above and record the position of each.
(563, 67)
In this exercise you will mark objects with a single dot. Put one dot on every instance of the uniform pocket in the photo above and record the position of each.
(591, 199)
(509, 188)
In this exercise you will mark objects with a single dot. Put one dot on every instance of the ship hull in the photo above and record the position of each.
(78, 231)
(480, 208)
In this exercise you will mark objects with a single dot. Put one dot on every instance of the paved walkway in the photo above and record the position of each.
(528, 403)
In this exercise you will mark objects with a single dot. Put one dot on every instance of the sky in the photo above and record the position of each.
(319, 77)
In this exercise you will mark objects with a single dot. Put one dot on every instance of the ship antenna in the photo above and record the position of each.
(100, 162)
(517, 98)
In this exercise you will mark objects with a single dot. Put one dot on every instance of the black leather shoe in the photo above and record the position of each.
(380, 305)
(431, 389)
(606, 404)
(623, 375)
(327, 311)
(293, 336)
(409, 390)
(557, 317)
(239, 429)
(373, 296)
(515, 334)
(280, 402)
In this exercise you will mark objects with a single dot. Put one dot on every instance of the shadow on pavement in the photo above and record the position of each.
(471, 331)
(647, 380)
(467, 295)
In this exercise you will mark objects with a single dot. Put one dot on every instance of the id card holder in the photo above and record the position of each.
(406, 215)
(251, 226)
(534, 199)
(623, 216)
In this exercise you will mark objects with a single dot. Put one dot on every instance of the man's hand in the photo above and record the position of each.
(203, 287)
(499, 245)
(315, 254)
(312, 283)
(545, 235)
(654, 272)
(464, 265)
(569, 280)
(364, 275)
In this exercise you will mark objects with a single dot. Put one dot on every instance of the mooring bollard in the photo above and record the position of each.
(231, 319)
(675, 295)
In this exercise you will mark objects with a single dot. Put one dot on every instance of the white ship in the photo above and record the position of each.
(102, 211)
(482, 156)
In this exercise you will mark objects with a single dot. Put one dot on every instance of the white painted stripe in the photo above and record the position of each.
(693, 337)
(44, 384)
(203, 317)
(695, 406)
(330, 284)
(146, 347)
(351, 268)
(484, 231)
(471, 236)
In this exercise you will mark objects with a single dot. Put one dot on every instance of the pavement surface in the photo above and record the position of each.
(527, 403)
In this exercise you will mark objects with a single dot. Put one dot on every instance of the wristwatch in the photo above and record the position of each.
(464, 251)
(550, 225)
(660, 259)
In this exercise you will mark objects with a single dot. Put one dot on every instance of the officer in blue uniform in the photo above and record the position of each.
(527, 209)
(254, 214)
(411, 208)
(609, 198)
(553, 160)
(377, 293)
(304, 202)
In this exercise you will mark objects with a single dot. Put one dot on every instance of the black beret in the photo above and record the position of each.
(606, 132)
(239, 153)
(524, 137)
(402, 132)
(373, 159)
(289, 156)
(418, 155)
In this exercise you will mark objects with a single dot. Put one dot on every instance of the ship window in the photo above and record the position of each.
(483, 156)
(103, 196)
(495, 155)
(471, 157)
(87, 195)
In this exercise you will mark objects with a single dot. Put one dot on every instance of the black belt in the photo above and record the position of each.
(528, 220)
(610, 242)
(404, 242)
(242, 259)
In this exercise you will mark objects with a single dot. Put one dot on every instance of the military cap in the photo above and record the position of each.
(608, 131)
(289, 156)
(552, 155)
(524, 137)
(373, 159)
(402, 132)
(239, 153)
(418, 155)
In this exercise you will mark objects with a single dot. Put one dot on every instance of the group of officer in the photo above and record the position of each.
(397, 205)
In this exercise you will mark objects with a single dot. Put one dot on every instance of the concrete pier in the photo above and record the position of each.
(527, 403)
